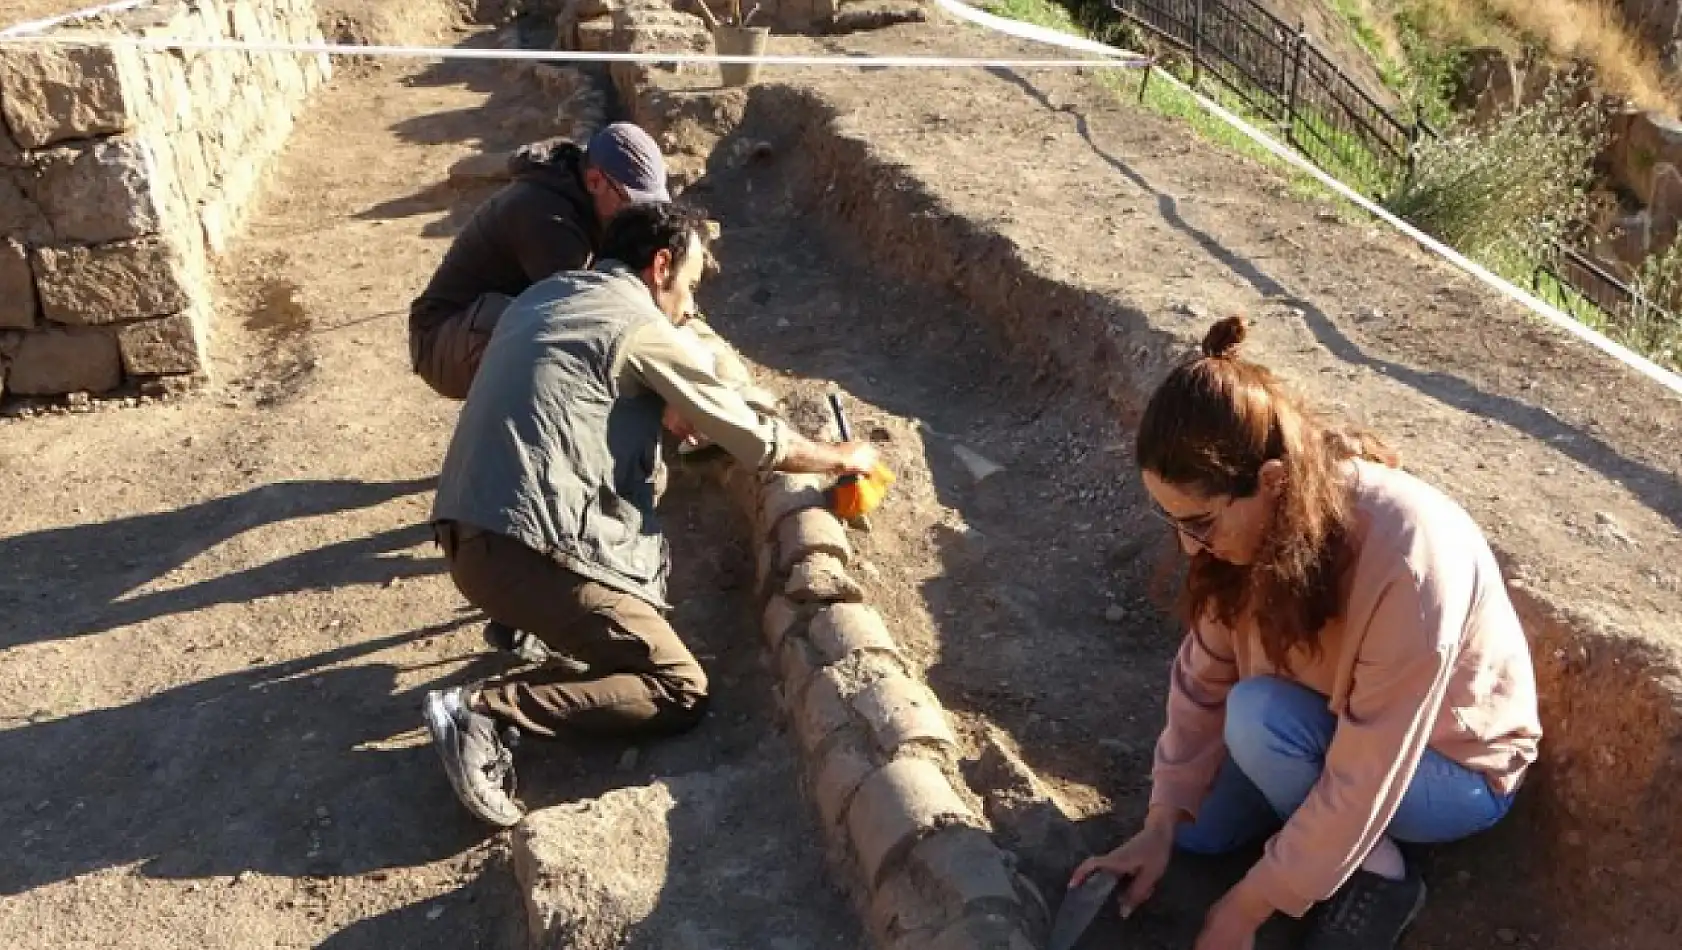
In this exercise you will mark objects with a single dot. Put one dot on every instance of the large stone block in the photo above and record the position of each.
(101, 192)
(10, 153)
(169, 103)
(21, 216)
(17, 287)
(52, 362)
(166, 346)
(111, 283)
(719, 859)
(52, 93)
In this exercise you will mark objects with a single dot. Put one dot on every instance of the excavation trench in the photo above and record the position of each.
(1025, 596)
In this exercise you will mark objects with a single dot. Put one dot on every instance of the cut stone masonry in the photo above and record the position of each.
(123, 172)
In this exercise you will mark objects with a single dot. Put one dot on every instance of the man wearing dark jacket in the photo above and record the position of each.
(548, 220)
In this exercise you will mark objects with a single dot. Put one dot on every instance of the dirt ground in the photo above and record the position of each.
(1026, 595)
(222, 612)
(229, 609)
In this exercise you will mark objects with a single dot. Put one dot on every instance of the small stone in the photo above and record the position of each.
(78, 402)
(979, 467)
(628, 760)
(1369, 314)
(1191, 310)
(1609, 528)
(240, 878)
(435, 912)
(1114, 613)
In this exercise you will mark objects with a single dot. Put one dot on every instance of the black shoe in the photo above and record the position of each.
(502, 637)
(480, 767)
(1368, 913)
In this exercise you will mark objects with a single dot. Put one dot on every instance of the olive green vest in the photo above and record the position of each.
(547, 451)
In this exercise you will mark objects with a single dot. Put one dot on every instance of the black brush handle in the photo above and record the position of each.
(840, 417)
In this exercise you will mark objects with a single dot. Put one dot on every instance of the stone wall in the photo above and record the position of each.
(122, 174)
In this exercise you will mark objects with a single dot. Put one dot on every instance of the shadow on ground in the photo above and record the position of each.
(72, 582)
(1656, 487)
(514, 111)
(279, 769)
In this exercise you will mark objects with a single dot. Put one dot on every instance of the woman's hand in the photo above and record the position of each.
(1232, 923)
(1144, 858)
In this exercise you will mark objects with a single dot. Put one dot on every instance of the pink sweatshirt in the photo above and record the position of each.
(1428, 652)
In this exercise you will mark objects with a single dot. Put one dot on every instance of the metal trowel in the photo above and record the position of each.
(1080, 906)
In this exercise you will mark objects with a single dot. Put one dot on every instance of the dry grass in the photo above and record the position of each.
(1592, 30)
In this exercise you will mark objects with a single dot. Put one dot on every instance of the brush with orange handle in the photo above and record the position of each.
(855, 496)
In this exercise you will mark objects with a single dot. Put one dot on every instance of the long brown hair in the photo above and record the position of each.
(1208, 428)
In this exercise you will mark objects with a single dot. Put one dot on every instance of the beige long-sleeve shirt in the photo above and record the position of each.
(688, 367)
(1428, 653)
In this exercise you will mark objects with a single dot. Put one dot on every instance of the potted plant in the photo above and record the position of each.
(734, 37)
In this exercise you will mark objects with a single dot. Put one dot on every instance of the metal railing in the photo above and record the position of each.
(1279, 74)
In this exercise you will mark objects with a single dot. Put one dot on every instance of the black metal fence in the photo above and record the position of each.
(1279, 74)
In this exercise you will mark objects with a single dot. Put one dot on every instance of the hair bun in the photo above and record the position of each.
(1224, 338)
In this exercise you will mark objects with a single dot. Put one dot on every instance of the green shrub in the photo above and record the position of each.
(1502, 192)
(1656, 330)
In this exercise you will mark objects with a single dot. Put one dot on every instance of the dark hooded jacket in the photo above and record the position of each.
(541, 223)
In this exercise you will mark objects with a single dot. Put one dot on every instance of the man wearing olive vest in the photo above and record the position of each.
(545, 508)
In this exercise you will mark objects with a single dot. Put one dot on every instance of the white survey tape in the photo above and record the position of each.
(1612, 348)
(47, 23)
(33, 36)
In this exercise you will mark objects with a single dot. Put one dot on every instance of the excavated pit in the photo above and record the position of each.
(1027, 596)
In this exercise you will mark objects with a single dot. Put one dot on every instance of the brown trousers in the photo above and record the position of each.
(447, 355)
(641, 678)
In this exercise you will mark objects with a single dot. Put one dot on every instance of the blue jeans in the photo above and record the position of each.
(1277, 736)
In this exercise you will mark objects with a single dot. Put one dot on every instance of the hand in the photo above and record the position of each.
(1232, 923)
(1144, 858)
(677, 425)
(857, 458)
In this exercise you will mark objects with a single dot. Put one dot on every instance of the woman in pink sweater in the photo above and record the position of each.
(1354, 674)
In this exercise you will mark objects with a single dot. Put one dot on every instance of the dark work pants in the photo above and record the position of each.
(447, 354)
(641, 678)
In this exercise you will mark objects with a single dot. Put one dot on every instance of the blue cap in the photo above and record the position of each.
(629, 156)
